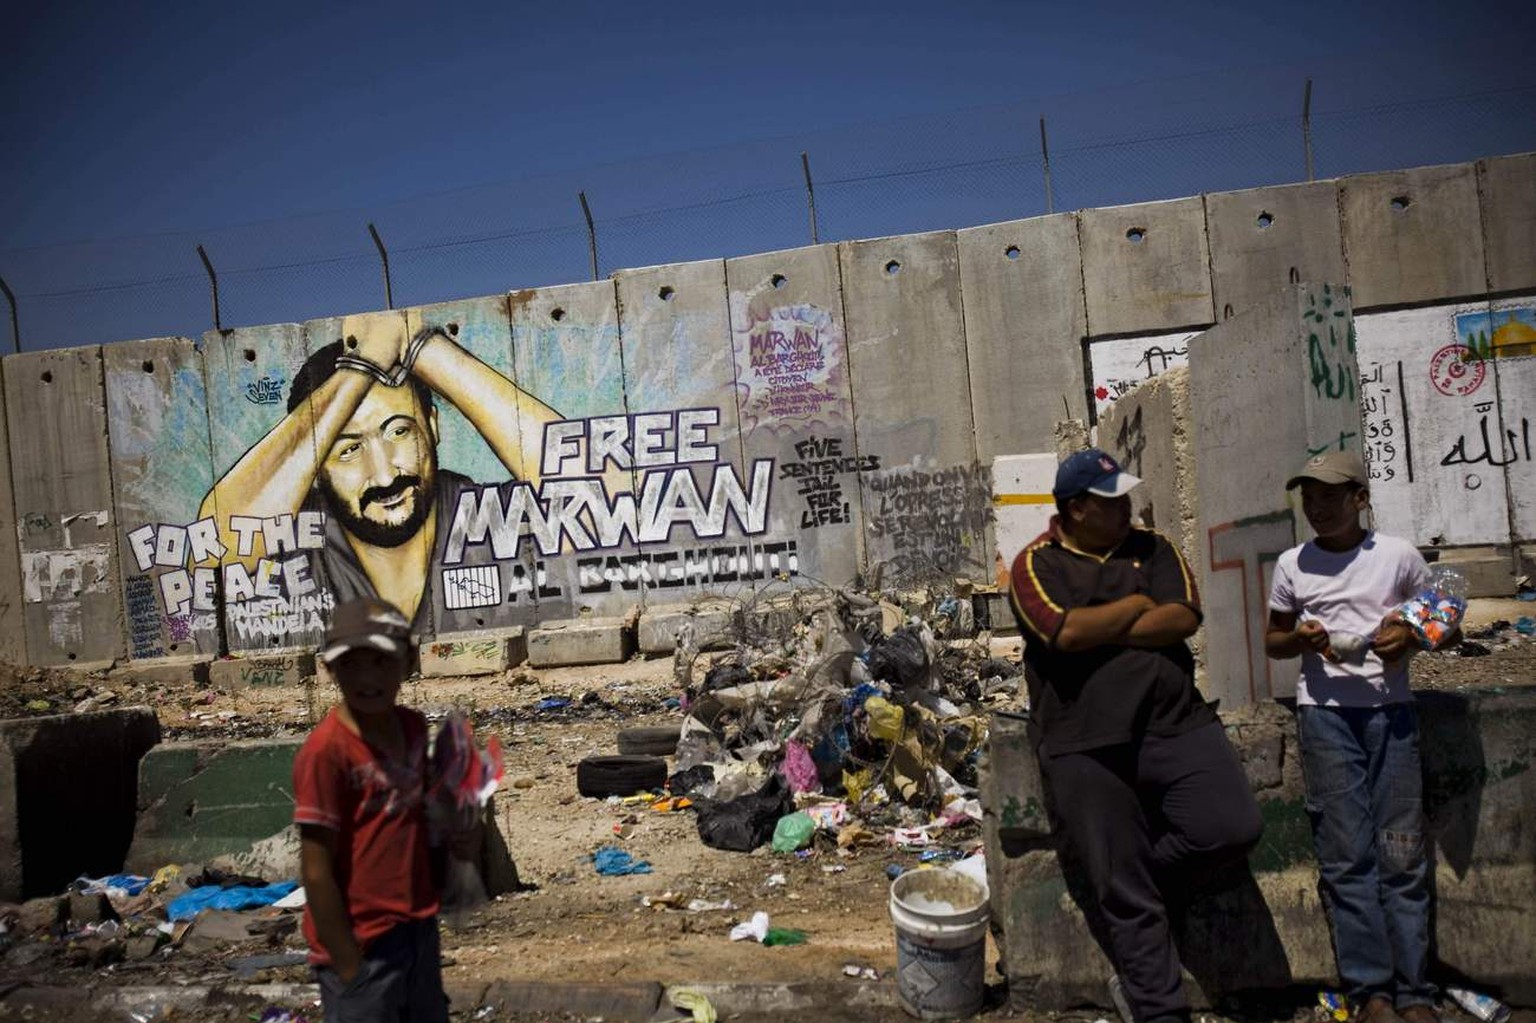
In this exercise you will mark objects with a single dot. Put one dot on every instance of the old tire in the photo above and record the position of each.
(660, 741)
(602, 777)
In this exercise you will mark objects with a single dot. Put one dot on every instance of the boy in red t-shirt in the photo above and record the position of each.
(359, 782)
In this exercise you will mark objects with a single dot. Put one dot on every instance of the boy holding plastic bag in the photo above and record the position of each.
(374, 820)
(1354, 604)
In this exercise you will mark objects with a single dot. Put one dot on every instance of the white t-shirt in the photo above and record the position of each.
(1349, 591)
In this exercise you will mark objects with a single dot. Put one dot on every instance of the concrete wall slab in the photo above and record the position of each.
(249, 374)
(1116, 365)
(1022, 502)
(1149, 431)
(796, 403)
(1409, 235)
(566, 352)
(1449, 402)
(1022, 283)
(1506, 186)
(1263, 239)
(928, 504)
(162, 465)
(1146, 268)
(1267, 390)
(61, 478)
(13, 633)
(489, 436)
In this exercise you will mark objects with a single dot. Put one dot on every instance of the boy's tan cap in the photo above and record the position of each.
(1333, 467)
(366, 623)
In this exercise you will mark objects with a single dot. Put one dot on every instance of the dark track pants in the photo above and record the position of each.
(1143, 820)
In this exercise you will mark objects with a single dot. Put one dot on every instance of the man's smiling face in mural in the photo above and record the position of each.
(380, 477)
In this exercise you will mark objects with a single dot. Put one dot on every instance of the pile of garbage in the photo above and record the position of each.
(854, 713)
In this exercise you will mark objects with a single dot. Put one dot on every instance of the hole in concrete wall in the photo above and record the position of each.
(1012, 252)
(666, 293)
(557, 314)
(778, 281)
(1136, 235)
(250, 355)
(1401, 202)
(47, 376)
(893, 268)
(350, 342)
(1295, 276)
(71, 655)
(1226, 311)
(149, 365)
(453, 329)
(175, 647)
(1264, 219)
(480, 621)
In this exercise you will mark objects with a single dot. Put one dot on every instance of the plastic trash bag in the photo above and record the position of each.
(793, 832)
(744, 823)
(901, 659)
(1435, 612)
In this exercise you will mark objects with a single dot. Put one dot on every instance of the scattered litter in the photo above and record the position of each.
(793, 832)
(694, 1002)
(611, 861)
(775, 881)
(1334, 1004)
(666, 900)
(1526, 625)
(1484, 1007)
(293, 900)
(236, 897)
(860, 971)
(552, 703)
(784, 936)
(755, 928)
(705, 906)
(249, 966)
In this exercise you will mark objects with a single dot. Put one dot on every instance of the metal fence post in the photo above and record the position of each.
(213, 282)
(1306, 126)
(586, 211)
(378, 243)
(1045, 160)
(10, 297)
(810, 193)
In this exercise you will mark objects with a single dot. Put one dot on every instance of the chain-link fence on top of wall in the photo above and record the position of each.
(981, 165)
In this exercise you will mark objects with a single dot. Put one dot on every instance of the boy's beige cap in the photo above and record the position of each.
(366, 623)
(1333, 467)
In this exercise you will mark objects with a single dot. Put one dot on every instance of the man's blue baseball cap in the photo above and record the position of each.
(1091, 471)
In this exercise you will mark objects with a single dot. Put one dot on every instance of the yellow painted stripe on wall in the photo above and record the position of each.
(1023, 499)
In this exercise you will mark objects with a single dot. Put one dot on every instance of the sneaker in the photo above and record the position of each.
(1378, 1010)
(1121, 1003)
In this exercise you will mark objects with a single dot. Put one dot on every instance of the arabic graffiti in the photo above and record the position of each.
(1512, 444)
(1380, 403)
(1329, 365)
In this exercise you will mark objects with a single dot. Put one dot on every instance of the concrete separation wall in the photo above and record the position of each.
(1267, 929)
(730, 428)
(13, 633)
(67, 795)
(1148, 430)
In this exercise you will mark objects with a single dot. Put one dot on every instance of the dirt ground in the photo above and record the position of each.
(574, 924)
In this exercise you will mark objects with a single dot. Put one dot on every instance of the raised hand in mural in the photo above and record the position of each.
(378, 339)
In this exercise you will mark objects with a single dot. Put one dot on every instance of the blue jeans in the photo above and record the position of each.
(1364, 796)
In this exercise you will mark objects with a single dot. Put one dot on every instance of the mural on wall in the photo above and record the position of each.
(1122, 363)
(354, 486)
(1449, 396)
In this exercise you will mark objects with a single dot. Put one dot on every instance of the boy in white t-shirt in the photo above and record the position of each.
(1331, 605)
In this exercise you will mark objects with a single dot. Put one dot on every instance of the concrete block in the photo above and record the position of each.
(1506, 186)
(580, 641)
(1149, 429)
(927, 501)
(1409, 235)
(1489, 572)
(1263, 239)
(796, 403)
(627, 1001)
(656, 632)
(565, 350)
(482, 591)
(13, 633)
(473, 654)
(164, 671)
(1022, 283)
(157, 419)
(1267, 389)
(199, 800)
(229, 673)
(85, 762)
(1261, 931)
(248, 374)
(1146, 268)
(61, 479)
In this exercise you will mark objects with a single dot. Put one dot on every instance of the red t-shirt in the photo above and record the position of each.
(375, 805)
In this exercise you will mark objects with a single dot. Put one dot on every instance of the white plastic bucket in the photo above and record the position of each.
(941, 933)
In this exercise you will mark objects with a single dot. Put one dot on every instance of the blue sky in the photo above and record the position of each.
(182, 120)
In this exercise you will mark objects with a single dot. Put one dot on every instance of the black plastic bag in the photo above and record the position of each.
(746, 822)
(900, 660)
(689, 780)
